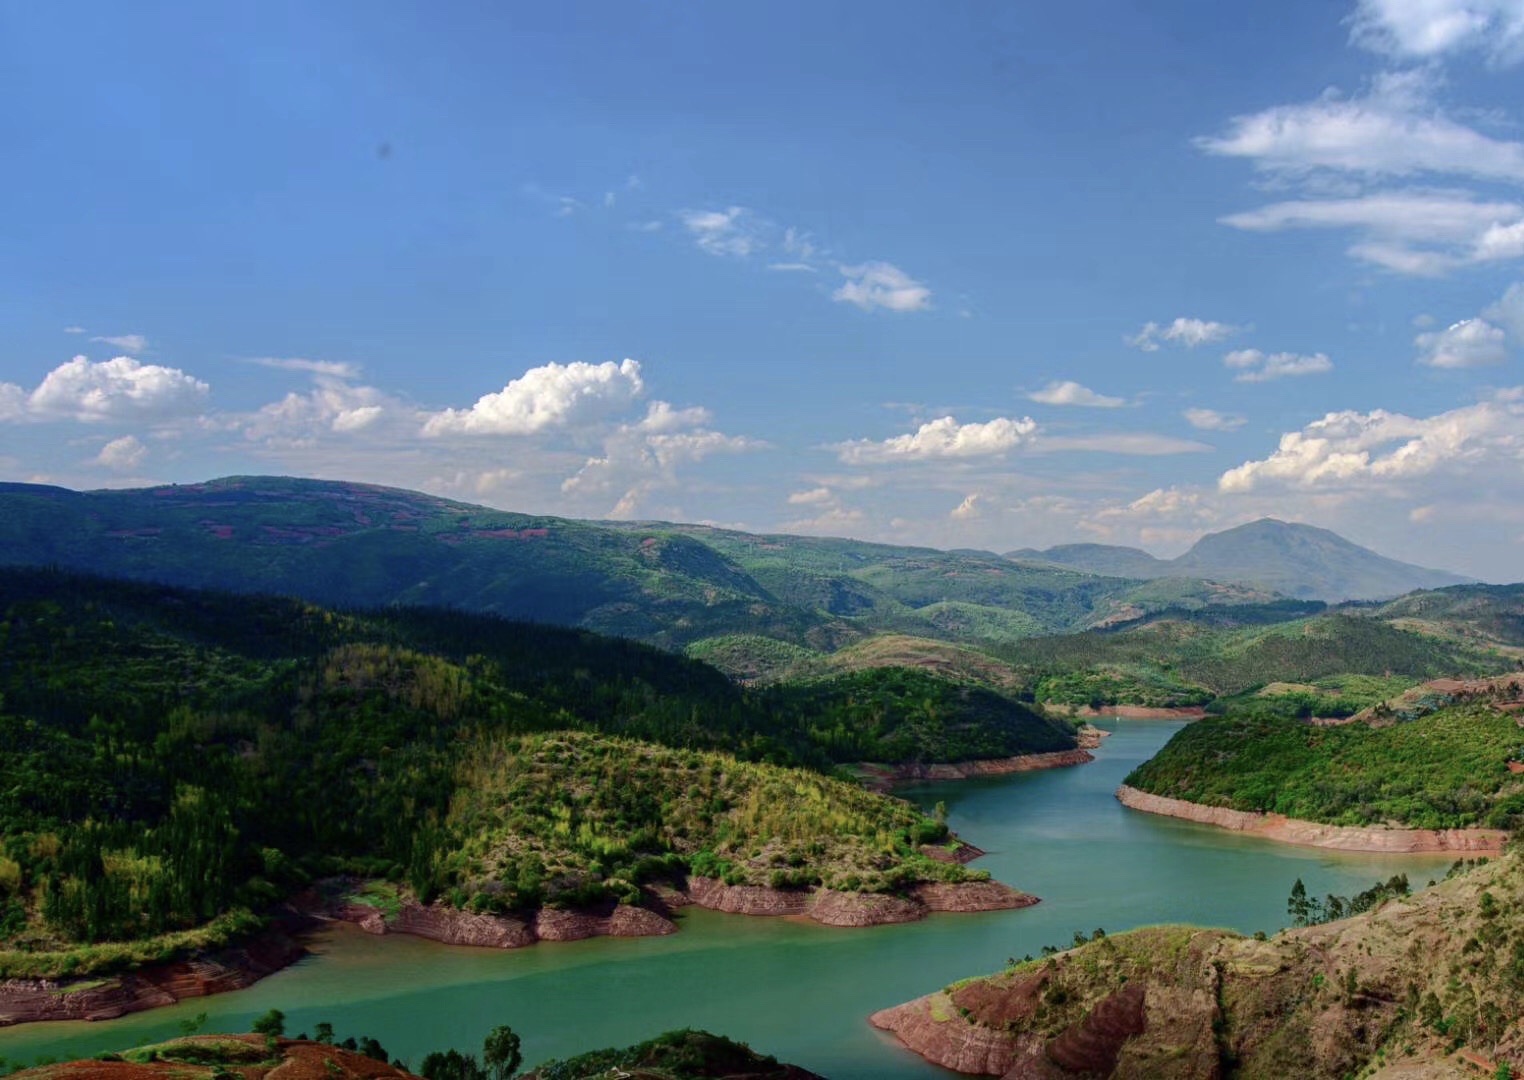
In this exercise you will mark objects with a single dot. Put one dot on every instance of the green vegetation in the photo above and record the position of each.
(1186, 661)
(356, 545)
(574, 818)
(1447, 769)
(676, 1055)
(1492, 614)
(1307, 910)
(174, 760)
(903, 714)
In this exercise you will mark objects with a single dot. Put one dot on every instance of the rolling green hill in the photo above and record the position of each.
(1488, 614)
(1182, 661)
(1444, 769)
(174, 759)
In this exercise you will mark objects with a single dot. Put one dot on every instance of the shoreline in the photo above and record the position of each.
(883, 778)
(25, 1001)
(1359, 838)
(107, 997)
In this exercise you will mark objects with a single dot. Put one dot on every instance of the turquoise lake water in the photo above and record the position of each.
(791, 988)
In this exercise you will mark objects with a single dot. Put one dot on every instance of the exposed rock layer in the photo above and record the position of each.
(1314, 834)
(26, 1000)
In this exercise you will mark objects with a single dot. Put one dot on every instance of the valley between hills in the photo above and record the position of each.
(240, 712)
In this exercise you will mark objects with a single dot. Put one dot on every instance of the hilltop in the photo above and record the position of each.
(1295, 560)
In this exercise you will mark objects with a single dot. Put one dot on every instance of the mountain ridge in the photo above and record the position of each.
(360, 545)
(1301, 561)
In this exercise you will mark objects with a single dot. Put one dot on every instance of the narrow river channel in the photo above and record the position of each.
(793, 989)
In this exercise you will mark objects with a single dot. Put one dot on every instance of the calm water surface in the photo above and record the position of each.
(794, 989)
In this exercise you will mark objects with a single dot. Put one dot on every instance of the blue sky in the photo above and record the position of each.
(969, 275)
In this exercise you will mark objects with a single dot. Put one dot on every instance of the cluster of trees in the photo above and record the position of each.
(1304, 910)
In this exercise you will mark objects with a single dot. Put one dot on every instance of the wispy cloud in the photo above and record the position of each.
(881, 285)
(1182, 331)
(731, 232)
(132, 344)
(1212, 420)
(337, 369)
(1253, 365)
(1072, 393)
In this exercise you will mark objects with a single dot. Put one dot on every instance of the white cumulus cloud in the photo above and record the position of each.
(116, 389)
(551, 396)
(1468, 343)
(1352, 449)
(1072, 393)
(883, 285)
(1256, 366)
(942, 438)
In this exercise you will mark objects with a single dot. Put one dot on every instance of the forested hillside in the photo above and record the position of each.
(1190, 661)
(173, 759)
(364, 546)
(1444, 769)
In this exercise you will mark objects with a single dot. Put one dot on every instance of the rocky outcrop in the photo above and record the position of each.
(1314, 834)
(26, 1000)
(833, 908)
(1061, 1018)
(1406, 990)
(882, 777)
(452, 926)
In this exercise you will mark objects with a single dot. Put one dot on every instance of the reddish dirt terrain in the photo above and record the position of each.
(245, 1056)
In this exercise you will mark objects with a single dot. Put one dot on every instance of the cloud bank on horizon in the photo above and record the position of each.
(899, 314)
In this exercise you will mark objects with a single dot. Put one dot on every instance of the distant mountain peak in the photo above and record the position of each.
(1304, 561)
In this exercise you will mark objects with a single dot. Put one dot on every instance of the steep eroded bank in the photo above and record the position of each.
(1375, 838)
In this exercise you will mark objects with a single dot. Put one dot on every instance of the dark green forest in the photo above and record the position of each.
(171, 759)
